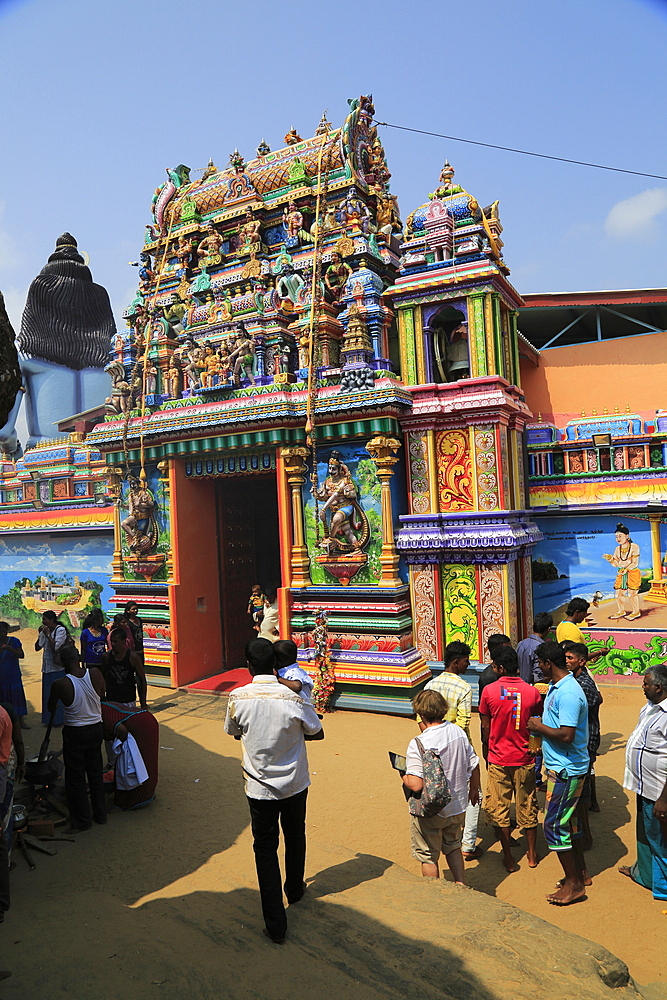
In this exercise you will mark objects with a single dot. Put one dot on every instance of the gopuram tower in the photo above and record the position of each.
(467, 537)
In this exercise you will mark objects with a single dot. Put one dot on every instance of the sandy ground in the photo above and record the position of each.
(163, 902)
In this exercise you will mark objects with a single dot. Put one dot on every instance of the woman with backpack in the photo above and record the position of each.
(442, 775)
(52, 636)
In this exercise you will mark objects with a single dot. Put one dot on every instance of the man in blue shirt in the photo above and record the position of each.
(564, 732)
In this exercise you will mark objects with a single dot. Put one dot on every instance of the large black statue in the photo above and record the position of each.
(64, 342)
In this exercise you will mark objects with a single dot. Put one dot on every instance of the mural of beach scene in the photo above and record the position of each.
(65, 572)
(586, 556)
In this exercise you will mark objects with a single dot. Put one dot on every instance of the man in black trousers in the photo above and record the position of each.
(273, 722)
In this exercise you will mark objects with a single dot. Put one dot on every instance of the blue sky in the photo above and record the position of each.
(98, 98)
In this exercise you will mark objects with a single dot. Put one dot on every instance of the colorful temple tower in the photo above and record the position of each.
(311, 397)
(467, 537)
(254, 427)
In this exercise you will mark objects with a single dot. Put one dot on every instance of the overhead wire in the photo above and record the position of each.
(523, 152)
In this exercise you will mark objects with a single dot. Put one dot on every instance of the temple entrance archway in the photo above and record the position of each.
(248, 553)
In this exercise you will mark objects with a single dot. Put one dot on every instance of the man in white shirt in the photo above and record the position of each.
(273, 722)
(646, 775)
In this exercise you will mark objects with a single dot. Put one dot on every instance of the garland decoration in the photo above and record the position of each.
(325, 679)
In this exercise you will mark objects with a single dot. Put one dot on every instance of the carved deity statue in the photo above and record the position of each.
(340, 513)
(243, 356)
(335, 277)
(249, 233)
(140, 525)
(173, 313)
(208, 251)
(118, 401)
(211, 368)
(355, 213)
(174, 380)
(288, 287)
(183, 252)
(292, 220)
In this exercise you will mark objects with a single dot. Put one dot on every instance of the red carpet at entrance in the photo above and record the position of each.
(222, 683)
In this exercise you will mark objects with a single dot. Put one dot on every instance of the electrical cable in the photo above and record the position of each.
(524, 152)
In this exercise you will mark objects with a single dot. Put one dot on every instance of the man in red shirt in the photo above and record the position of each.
(504, 710)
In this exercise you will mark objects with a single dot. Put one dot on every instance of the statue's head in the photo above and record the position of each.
(174, 298)
(336, 258)
(335, 463)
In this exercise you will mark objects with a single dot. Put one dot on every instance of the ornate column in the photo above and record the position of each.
(116, 492)
(164, 468)
(383, 452)
(295, 471)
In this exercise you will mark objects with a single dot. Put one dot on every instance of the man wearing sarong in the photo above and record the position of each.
(646, 775)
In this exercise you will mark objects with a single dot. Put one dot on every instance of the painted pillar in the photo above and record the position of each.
(656, 558)
(406, 336)
(295, 470)
(476, 336)
(115, 489)
(427, 611)
(422, 378)
(383, 452)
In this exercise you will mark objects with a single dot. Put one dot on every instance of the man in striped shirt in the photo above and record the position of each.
(458, 695)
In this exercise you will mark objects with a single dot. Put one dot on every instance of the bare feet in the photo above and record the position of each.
(626, 870)
(567, 894)
(585, 878)
(533, 862)
(510, 864)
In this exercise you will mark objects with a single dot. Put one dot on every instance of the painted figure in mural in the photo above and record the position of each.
(208, 251)
(292, 220)
(341, 507)
(628, 577)
(335, 277)
(458, 355)
(243, 356)
(66, 333)
(140, 525)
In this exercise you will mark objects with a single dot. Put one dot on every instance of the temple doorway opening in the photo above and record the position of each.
(248, 552)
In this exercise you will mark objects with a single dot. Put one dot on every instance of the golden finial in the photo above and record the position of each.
(583, 413)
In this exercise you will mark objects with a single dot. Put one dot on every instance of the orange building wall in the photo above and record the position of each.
(195, 597)
(628, 372)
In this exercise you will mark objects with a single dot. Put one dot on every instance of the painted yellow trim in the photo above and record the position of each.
(419, 347)
(432, 470)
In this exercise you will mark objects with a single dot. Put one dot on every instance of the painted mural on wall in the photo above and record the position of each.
(344, 547)
(57, 572)
(145, 527)
(609, 563)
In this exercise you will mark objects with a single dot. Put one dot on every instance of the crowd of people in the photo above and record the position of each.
(91, 692)
(540, 729)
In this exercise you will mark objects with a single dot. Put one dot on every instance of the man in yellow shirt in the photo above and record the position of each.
(575, 613)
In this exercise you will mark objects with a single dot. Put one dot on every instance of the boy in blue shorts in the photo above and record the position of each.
(564, 732)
